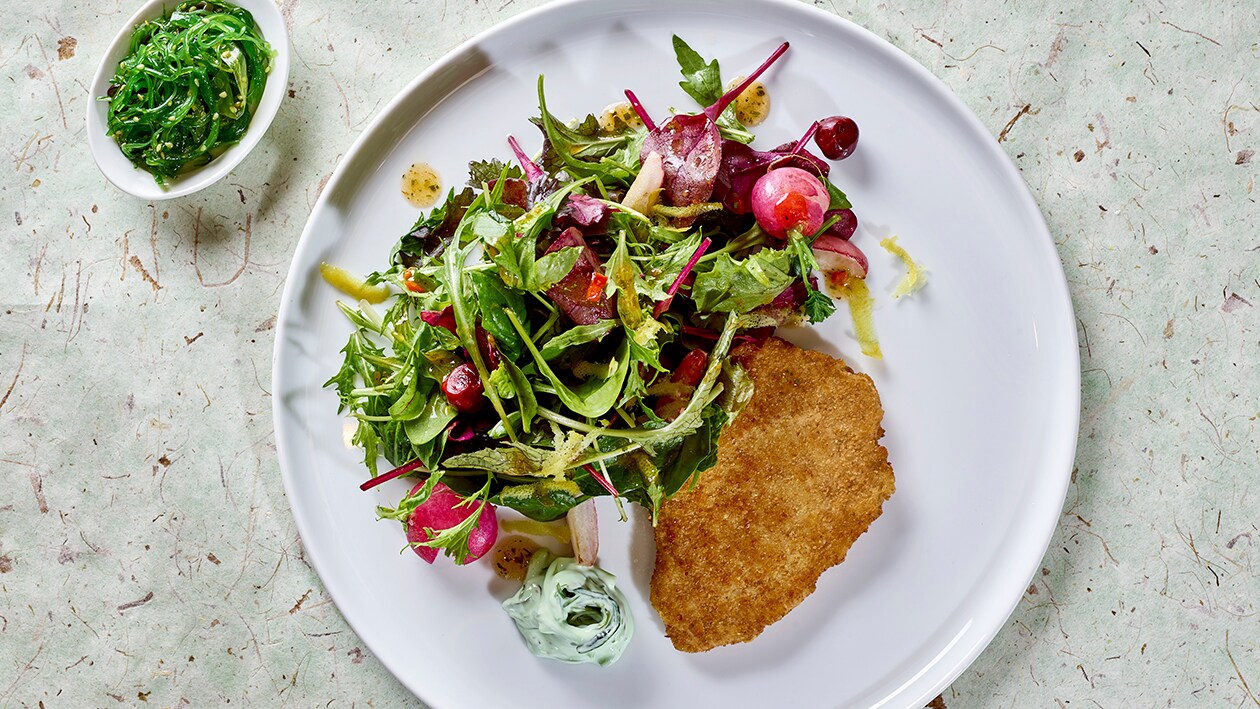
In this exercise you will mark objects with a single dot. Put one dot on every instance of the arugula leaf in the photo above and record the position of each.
(525, 398)
(594, 396)
(584, 152)
(514, 257)
(696, 453)
(545, 500)
(739, 286)
(530, 224)
(502, 383)
(659, 272)
(465, 321)
(650, 473)
(365, 437)
(516, 461)
(818, 306)
(643, 332)
(494, 299)
(635, 388)
(354, 367)
(413, 400)
(488, 227)
(701, 81)
(576, 335)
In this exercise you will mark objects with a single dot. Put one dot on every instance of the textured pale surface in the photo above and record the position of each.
(147, 553)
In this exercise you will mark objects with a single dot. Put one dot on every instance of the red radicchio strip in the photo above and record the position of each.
(640, 110)
(682, 276)
(395, 473)
(603, 481)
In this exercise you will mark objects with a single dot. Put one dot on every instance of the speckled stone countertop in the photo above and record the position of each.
(147, 552)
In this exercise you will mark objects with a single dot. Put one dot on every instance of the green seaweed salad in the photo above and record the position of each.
(562, 329)
(188, 87)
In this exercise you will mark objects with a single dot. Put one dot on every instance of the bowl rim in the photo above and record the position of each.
(119, 171)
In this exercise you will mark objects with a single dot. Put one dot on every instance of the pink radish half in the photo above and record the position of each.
(439, 512)
(836, 254)
(789, 199)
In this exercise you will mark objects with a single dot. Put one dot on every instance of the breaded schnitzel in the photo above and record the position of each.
(800, 476)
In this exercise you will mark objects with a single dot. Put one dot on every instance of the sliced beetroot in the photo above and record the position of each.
(691, 146)
(440, 318)
(569, 294)
(440, 512)
(515, 192)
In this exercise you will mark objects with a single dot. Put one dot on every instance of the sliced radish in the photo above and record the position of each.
(584, 531)
(835, 254)
(440, 512)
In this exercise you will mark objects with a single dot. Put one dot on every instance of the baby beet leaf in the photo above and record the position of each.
(691, 145)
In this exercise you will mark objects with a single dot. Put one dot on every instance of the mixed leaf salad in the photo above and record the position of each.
(562, 326)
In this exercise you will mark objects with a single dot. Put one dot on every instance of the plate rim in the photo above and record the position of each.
(1061, 453)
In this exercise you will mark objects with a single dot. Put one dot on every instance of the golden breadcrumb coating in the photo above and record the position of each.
(800, 476)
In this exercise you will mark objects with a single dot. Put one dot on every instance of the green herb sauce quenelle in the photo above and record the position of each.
(571, 613)
(188, 87)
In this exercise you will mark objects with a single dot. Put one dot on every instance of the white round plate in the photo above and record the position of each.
(980, 381)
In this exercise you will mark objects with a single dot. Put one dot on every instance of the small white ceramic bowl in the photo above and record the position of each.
(139, 183)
